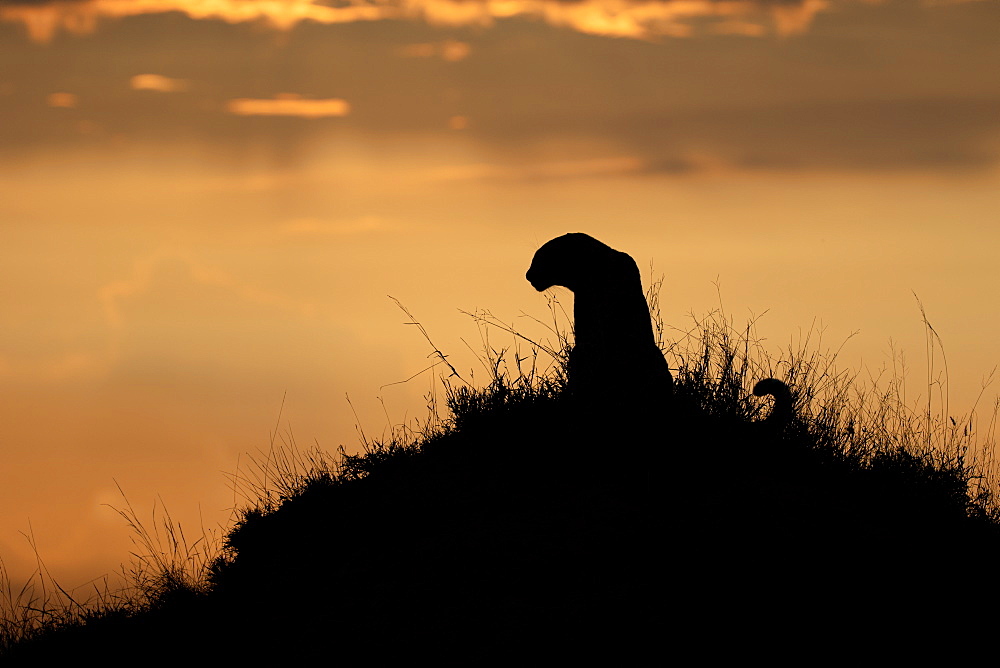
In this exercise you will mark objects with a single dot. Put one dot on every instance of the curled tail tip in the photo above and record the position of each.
(782, 411)
(771, 386)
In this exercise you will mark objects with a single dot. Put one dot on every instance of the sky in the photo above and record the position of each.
(206, 204)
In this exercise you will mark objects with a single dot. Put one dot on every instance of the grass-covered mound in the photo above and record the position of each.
(524, 526)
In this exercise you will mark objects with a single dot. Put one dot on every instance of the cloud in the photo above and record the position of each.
(62, 100)
(289, 104)
(637, 19)
(939, 133)
(449, 50)
(54, 367)
(176, 318)
(314, 227)
(157, 82)
(738, 27)
(44, 19)
(177, 266)
(565, 169)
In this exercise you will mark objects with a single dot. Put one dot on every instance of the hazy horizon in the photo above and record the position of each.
(206, 204)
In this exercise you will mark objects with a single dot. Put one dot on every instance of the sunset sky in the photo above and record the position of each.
(205, 203)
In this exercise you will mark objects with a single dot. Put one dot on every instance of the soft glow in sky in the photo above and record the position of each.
(205, 204)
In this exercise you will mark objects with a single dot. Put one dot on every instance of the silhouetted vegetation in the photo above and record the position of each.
(517, 524)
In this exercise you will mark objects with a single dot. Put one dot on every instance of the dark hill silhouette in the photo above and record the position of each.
(526, 530)
(494, 538)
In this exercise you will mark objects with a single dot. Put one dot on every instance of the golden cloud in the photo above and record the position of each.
(638, 19)
(44, 20)
(62, 100)
(157, 83)
(568, 169)
(289, 104)
(449, 50)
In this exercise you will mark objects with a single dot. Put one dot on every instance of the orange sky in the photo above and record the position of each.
(205, 204)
